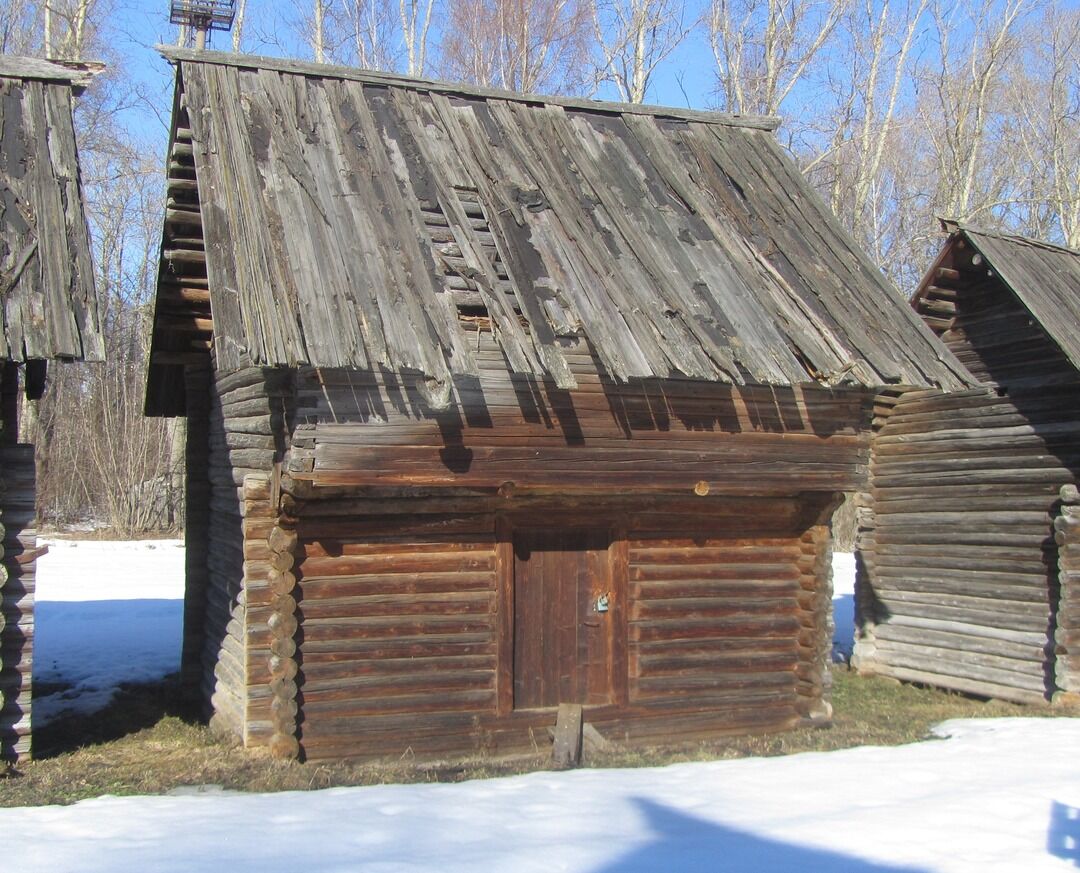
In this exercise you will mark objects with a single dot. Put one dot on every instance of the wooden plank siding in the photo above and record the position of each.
(958, 574)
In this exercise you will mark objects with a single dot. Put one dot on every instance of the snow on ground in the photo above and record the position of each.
(105, 613)
(997, 795)
(843, 567)
(992, 795)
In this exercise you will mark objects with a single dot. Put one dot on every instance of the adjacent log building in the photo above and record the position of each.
(49, 312)
(499, 402)
(969, 574)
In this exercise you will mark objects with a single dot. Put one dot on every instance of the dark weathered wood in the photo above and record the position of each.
(562, 639)
(18, 553)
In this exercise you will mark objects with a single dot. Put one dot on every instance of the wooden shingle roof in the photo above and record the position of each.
(350, 218)
(1044, 277)
(49, 307)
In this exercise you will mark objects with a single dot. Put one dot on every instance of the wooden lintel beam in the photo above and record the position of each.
(944, 308)
(938, 324)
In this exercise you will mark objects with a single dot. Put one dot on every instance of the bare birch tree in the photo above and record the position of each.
(20, 32)
(1044, 95)
(415, 27)
(369, 34)
(238, 25)
(521, 45)
(964, 90)
(318, 30)
(633, 38)
(873, 71)
(764, 50)
(69, 27)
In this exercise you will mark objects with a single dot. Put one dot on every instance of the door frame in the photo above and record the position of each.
(506, 524)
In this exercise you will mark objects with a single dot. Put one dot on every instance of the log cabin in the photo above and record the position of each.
(49, 313)
(498, 403)
(969, 558)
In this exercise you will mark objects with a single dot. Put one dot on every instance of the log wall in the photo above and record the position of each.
(406, 608)
(355, 593)
(958, 572)
(17, 565)
(651, 436)
(235, 431)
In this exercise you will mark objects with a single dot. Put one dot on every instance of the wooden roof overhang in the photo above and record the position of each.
(49, 306)
(347, 219)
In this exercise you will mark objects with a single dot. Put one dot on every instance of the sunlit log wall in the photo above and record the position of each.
(358, 597)
(958, 580)
(235, 422)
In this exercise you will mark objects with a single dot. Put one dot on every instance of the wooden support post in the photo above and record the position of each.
(18, 553)
(567, 749)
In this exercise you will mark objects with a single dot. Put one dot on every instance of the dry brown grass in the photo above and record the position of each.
(146, 744)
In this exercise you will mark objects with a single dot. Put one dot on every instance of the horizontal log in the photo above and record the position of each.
(713, 628)
(941, 640)
(468, 603)
(329, 587)
(748, 587)
(963, 676)
(1029, 672)
(648, 611)
(471, 700)
(994, 617)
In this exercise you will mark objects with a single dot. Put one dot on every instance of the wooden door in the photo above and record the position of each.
(563, 637)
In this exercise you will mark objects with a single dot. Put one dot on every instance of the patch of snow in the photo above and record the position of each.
(843, 567)
(989, 798)
(105, 613)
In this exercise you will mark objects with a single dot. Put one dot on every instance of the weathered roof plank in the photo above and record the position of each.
(568, 242)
